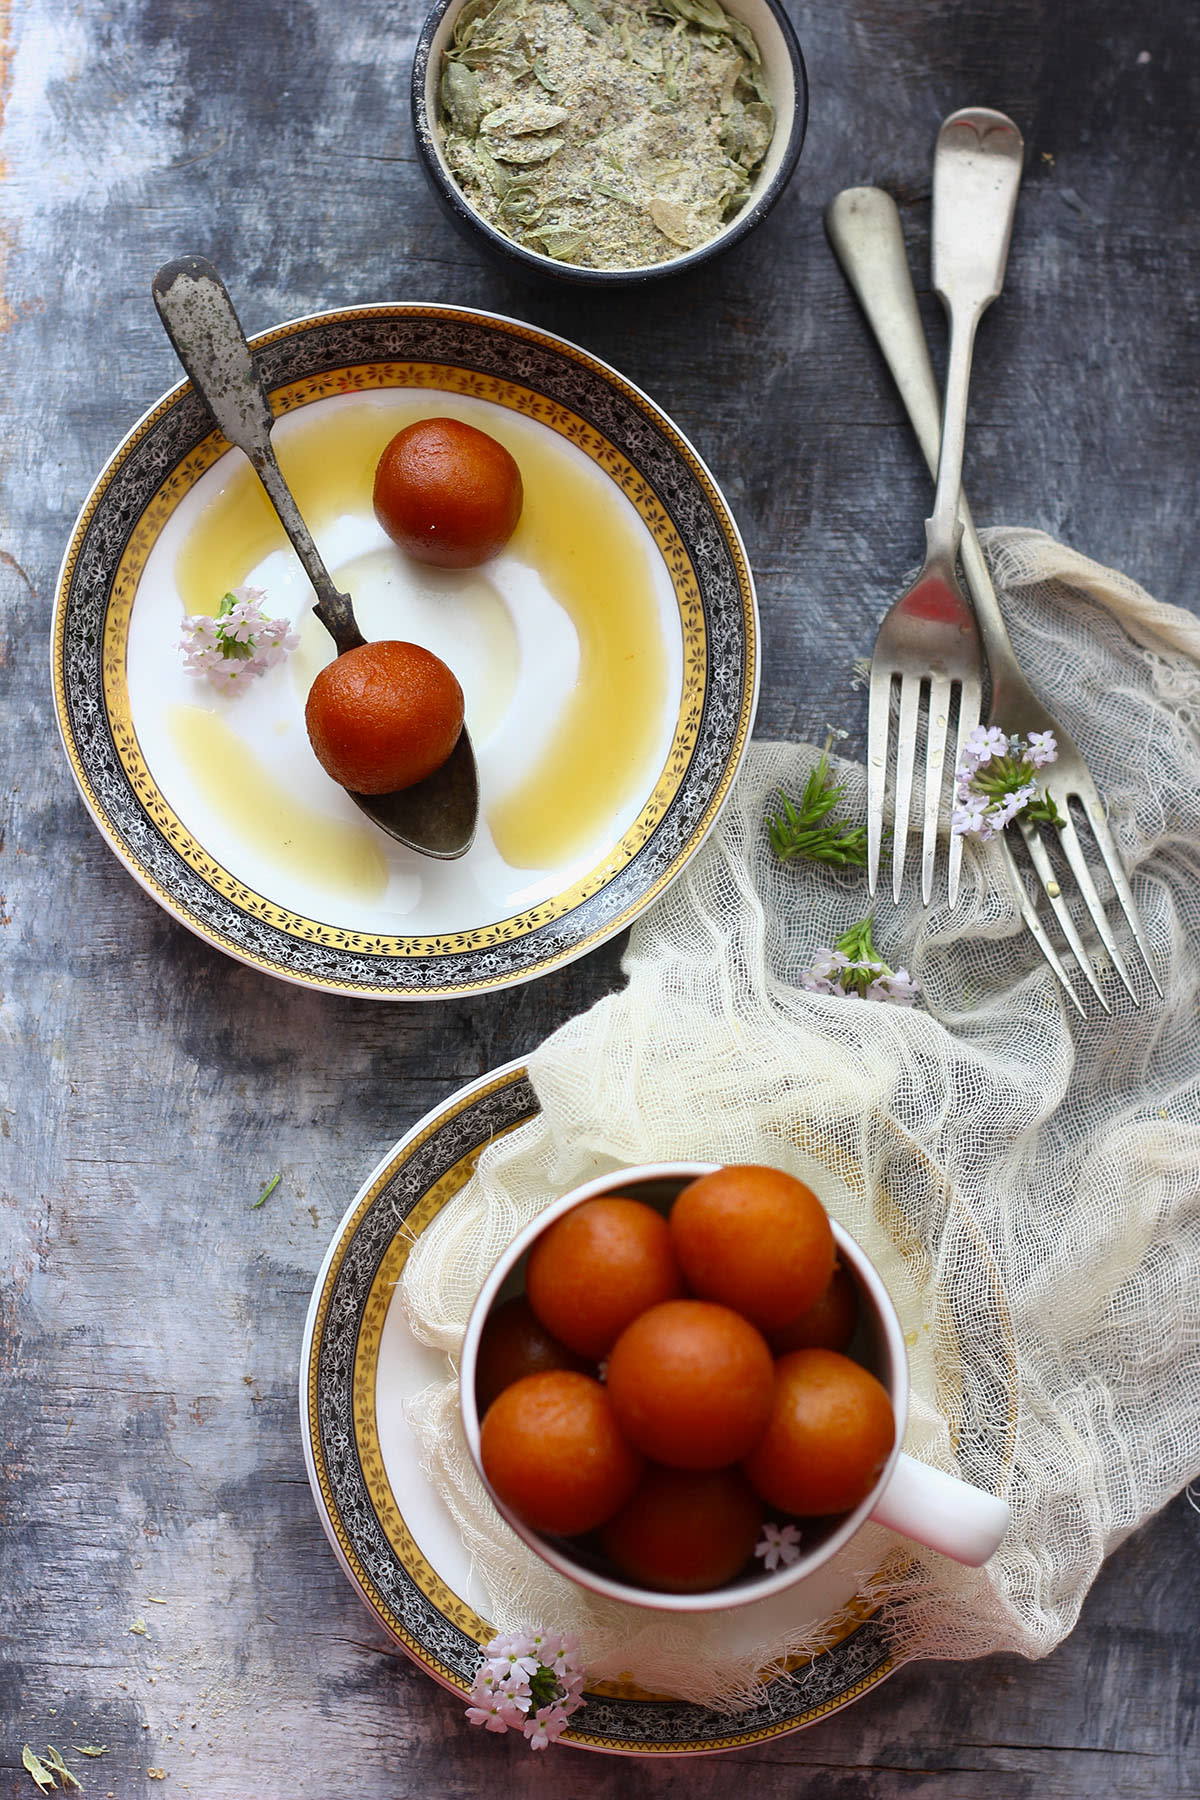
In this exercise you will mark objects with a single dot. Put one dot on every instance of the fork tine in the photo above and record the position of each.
(879, 705)
(906, 756)
(970, 703)
(1116, 874)
(935, 759)
(1033, 923)
(1045, 873)
(1068, 837)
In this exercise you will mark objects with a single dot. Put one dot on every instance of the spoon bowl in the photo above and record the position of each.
(437, 816)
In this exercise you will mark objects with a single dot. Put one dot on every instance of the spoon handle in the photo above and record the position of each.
(200, 321)
(976, 177)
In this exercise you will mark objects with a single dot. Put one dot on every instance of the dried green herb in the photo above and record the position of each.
(807, 830)
(542, 102)
(91, 1749)
(60, 1768)
(267, 1192)
(588, 16)
(460, 99)
(38, 1770)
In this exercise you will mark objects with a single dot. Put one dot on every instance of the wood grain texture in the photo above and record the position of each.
(151, 1318)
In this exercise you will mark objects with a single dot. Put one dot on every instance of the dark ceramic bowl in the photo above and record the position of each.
(784, 66)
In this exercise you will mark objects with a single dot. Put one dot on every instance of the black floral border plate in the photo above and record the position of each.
(442, 349)
(363, 1516)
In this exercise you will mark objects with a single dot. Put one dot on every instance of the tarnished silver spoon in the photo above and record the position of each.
(437, 816)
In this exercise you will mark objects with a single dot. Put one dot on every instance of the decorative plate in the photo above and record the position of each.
(609, 658)
(390, 1529)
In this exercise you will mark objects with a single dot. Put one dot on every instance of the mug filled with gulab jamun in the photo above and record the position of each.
(675, 1359)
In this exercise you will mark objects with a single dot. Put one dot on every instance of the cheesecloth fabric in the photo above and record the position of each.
(1027, 1182)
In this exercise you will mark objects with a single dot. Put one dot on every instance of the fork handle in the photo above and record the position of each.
(864, 228)
(976, 177)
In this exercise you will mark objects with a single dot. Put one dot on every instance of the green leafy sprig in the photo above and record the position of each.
(807, 830)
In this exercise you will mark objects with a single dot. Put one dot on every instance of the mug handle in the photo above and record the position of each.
(941, 1511)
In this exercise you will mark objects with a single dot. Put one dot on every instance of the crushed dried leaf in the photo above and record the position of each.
(60, 1768)
(607, 133)
(38, 1770)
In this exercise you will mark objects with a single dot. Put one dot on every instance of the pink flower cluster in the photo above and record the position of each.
(833, 972)
(529, 1682)
(996, 780)
(854, 966)
(239, 644)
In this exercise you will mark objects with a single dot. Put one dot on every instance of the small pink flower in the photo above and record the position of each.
(530, 1682)
(548, 1723)
(855, 967)
(239, 644)
(779, 1545)
(496, 1715)
(983, 743)
(996, 780)
(899, 988)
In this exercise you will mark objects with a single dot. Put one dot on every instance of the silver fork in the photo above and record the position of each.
(929, 638)
(864, 228)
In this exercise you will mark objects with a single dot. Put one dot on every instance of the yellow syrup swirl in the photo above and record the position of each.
(303, 843)
(576, 531)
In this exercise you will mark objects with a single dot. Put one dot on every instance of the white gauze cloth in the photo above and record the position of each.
(1027, 1182)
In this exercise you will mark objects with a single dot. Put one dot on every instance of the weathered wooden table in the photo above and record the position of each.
(151, 1321)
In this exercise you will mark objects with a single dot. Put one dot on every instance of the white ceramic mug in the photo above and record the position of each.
(921, 1503)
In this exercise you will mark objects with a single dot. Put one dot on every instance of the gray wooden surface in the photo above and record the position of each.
(151, 1320)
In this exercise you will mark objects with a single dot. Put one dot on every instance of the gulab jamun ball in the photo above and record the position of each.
(756, 1239)
(447, 493)
(514, 1342)
(384, 716)
(828, 1324)
(685, 1531)
(594, 1270)
(690, 1384)
(830, 1431)
(551, 1449)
